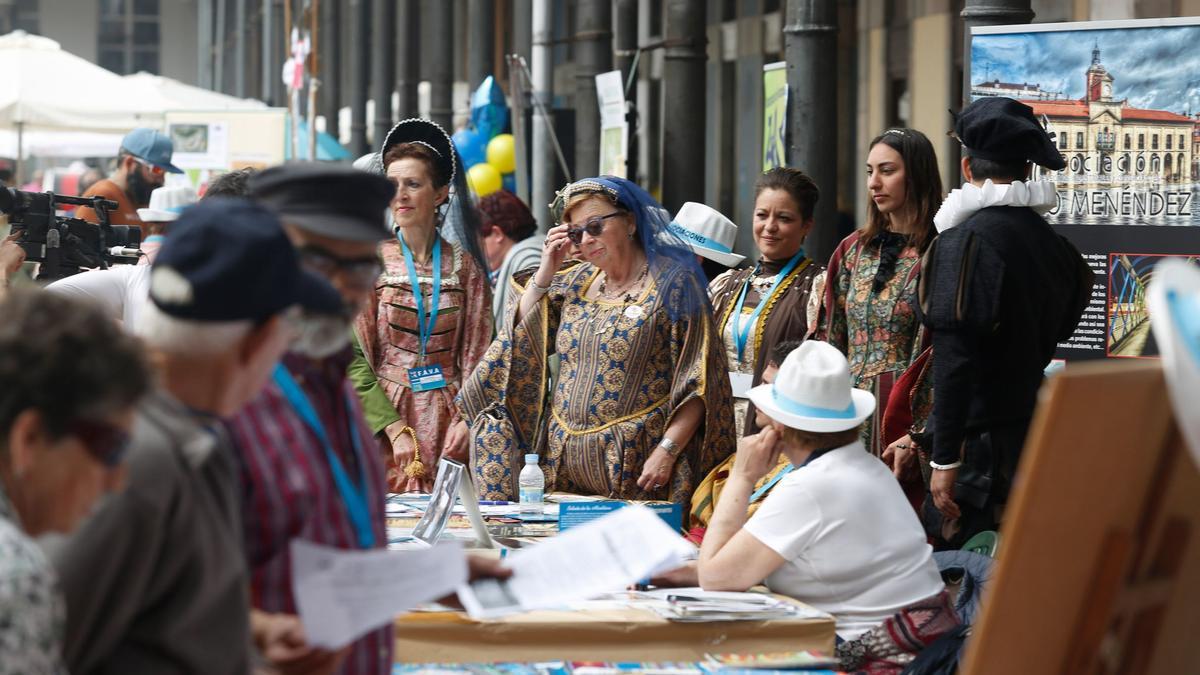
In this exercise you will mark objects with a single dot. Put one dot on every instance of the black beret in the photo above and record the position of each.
(327, 199)
(1003, 130)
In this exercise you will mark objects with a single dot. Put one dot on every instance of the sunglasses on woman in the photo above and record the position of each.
(593, 226)
(104, 442)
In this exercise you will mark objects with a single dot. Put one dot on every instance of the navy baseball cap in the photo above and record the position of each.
(228, 259)
(152, 146)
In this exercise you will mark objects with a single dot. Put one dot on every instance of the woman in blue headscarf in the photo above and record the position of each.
(641, 408)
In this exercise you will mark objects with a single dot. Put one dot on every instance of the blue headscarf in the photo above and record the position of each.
(665, 251)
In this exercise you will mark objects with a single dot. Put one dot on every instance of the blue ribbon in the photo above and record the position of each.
(742, 333)
(425, 328)
(797, 408)
(698, 239)
(353, 496)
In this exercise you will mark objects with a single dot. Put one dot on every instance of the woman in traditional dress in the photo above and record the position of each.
(641, 406)
(871, 293)
(779, 298)
(420, 339)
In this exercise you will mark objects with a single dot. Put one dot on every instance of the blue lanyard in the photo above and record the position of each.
(354, 497)
(741, 332)
(760, 492)
(425, 328)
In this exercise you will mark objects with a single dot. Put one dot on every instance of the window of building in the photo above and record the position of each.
(1078, 140)
(1154, 142)
(1062, 140)
(19, 15)
(1170, 138)
(1141, 141)
(129, 35)
(1128, 145)
(1181, 141)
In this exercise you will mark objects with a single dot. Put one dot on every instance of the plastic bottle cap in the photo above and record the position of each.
(531, 458)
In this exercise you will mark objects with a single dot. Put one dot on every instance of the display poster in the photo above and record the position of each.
(1122, 100)
(614, 129)
(775, 100)
(208, 143)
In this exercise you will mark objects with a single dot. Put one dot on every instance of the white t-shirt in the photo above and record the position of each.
(119, 291)
(853, 544)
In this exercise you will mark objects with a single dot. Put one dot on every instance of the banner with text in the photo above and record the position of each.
(775, 99)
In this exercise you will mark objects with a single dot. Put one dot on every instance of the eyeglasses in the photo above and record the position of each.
(360, 272)
(593, 226)
(156, 170)
(103, 441)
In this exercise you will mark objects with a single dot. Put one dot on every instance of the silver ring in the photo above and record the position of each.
(657, 486)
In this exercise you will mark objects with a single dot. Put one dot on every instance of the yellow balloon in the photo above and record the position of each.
(484, 179)
(502, 153)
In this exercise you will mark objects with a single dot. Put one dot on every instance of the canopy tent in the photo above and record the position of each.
(328, 148)
(163, 94)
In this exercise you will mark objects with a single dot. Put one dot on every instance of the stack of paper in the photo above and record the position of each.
(692, 605)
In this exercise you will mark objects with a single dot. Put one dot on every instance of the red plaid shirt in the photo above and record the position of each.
(288, 489)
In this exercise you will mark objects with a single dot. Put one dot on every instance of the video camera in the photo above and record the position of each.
(64, 246)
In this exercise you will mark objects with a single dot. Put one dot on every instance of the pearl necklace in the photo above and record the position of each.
(627, 287)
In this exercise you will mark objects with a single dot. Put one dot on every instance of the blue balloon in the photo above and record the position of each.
(509, 182)
(471, 146)
(489, 110)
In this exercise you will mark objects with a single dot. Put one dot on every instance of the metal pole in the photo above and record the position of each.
(314, 80)
(810, 45)
(408, 63)
(522, 28)
(684, 102)
(593, 55)
(204, 29)
(239, 49)
(359, 74)
(481, 40)
(269, 74)
(542, 69)
(331, 64)
(625, 41)
(441, 61)
(988, 13)
(220, 40)
(383, 66)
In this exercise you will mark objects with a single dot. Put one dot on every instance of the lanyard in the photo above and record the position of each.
(424, 326)
(354, 497)
(762, 491)
(741, 332)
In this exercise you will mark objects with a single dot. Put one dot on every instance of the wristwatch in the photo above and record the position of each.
(670, 446)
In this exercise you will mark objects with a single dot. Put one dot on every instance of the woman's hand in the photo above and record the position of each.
(401, 442)
(554, 251)
(900, 455)
(656, 471)
(941, 488)
(458, 438)
(757, 455)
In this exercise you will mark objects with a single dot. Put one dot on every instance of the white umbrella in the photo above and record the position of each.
(47, 88)
(164, 93)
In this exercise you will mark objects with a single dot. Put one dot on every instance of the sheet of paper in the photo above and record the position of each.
(342, 594)
(740, 383)
(607, 554)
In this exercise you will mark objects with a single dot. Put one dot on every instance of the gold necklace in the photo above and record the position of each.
(628, 297)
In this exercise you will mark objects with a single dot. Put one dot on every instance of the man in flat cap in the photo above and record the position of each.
(999, 290)
(155, 581)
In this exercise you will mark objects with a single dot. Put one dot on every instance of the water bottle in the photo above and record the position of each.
(532, 482)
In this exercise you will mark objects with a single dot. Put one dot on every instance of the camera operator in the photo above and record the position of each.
(142, 164)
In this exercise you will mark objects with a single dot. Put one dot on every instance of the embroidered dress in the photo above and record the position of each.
(626, 368)
(876, 330)
(790, 314)
(388, 334)
(32, 613)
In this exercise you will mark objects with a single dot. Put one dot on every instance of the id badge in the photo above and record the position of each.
(740, 383)
(426, 379)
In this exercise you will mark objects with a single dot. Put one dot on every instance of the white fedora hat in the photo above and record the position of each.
(707, 233)
(1174, 303)
(812, 391)
(166, 203)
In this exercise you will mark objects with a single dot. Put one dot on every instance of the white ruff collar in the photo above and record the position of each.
(961, 203)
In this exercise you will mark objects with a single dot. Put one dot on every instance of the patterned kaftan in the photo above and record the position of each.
(877, 331)
(389, 337)
(625, 369)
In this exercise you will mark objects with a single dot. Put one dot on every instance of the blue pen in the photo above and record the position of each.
(484, 502)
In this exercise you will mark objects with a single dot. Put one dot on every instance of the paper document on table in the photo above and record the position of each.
(604, 555)
(342, 594)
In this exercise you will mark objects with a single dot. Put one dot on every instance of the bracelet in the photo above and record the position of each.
(670, 446)
(945, 467)
(540, 289)
(415, 468)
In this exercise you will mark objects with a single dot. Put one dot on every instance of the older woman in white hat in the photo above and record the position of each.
(837, 531)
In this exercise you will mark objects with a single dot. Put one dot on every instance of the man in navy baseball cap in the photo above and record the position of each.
(165, 556)
(142, 163)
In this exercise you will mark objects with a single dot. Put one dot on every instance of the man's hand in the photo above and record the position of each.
(757, 455)
(941, 487)
(280, 638)
(479, 567)
(899, 455)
